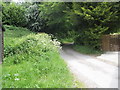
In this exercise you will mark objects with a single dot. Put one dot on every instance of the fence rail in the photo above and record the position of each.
(111, 42)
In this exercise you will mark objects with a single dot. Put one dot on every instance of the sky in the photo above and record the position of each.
(18, 0)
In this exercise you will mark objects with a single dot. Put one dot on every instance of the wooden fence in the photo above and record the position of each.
(110, 43)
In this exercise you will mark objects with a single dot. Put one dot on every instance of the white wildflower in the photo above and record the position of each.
(16, 79)
(16, 74)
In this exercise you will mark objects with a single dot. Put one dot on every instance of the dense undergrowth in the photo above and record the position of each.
(32, 61)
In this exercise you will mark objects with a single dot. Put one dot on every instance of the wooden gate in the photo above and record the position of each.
(111, 42)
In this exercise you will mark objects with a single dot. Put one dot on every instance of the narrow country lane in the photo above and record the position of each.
(90, 70)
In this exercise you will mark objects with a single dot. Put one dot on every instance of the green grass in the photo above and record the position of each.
(66, 40)
(117, 33)
(32, 75)
(86, 50)
(13, 33)
(0, 77)
(33, 61)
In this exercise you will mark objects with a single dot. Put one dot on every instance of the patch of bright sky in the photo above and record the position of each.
(18, 1)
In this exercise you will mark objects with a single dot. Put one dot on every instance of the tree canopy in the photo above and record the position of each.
(89, 20)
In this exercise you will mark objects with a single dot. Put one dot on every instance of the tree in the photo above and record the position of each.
(13, 14)
(33, 19)
(93, 20)
(55, 16)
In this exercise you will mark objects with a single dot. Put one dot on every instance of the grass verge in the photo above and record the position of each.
(33, 61)
(86, 50)
(66, 40)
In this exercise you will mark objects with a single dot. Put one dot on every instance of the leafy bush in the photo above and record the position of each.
(13, 14)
